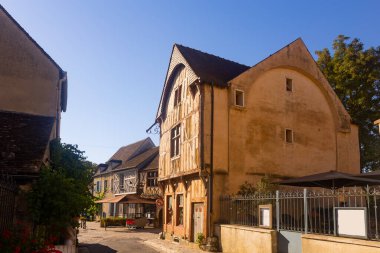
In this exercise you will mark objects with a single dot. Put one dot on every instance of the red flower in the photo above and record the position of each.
(7, 234)
(17, 249)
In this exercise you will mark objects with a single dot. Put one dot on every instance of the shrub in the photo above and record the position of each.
(113, 221)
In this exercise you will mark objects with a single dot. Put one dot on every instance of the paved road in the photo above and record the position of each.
(120, 240)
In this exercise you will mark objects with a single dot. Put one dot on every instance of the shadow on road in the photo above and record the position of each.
(97, 248)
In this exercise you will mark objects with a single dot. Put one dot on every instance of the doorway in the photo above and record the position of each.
(198, 214)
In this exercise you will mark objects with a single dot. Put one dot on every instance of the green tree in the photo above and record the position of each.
(62, 191)
(354, 74)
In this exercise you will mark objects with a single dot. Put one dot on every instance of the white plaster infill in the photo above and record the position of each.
(248, 228)
(342, 240)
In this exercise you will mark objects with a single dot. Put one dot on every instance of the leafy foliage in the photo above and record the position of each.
(266, 185)
(61, 192)
(246, 189)
(354, 74)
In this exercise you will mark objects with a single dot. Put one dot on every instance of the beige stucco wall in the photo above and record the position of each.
(249, 141)
(330, 244)
(242, 239)
(28, 79)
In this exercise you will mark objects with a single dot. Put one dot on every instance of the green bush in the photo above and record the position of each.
(113, 221)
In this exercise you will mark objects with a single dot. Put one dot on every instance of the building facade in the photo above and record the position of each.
(33, 93)
(223, 124)
(127, 184)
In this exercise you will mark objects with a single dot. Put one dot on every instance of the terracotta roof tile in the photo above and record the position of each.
(211, 68)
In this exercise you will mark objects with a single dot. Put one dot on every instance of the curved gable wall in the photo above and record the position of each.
(177, 61)
(296, 56)
(305, 111)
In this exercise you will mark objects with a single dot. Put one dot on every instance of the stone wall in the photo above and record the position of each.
(242, 239)
(331, 244)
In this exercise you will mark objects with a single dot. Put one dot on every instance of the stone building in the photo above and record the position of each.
(223, 123)
(33, 93)
(127, 183)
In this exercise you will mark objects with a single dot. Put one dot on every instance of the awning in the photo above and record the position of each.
(133, 199)
(130, 199)
(331, 179)
(111, 200)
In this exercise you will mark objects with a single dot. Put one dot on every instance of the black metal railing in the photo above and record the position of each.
(306, 211)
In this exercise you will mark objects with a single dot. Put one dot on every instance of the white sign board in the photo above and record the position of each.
(351, 221)
(265, 217)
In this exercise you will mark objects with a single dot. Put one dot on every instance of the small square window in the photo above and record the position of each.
(239, 98)
(289, 84)
(289, 136)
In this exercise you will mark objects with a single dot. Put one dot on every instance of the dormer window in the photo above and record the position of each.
(177, 95)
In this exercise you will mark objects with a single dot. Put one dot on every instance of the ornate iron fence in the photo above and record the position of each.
(307, 211)
(7, 202)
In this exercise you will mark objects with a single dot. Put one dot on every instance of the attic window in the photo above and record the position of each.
(289, 84)
(239, 98)
(177, 95)
(289, 136)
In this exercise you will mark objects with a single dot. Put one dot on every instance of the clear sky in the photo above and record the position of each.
(117, 52)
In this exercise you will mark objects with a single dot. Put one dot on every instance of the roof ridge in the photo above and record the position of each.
(142, 140)
(224, 59)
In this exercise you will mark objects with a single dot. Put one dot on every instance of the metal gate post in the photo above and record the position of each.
(278, 210)
(305, 208)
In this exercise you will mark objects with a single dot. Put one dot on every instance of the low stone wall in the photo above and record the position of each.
(244, 239)
(331, 244)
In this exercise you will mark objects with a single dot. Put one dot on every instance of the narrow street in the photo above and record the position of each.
(95, 239)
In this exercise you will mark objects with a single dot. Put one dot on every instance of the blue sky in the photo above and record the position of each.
(117, 52)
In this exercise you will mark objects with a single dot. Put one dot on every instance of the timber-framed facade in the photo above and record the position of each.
(223, 123)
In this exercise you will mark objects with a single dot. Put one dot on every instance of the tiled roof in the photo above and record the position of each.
(154, 163)
(127, 152)
(140, 160)
(24, 139)
(130, 156)
(210, 68)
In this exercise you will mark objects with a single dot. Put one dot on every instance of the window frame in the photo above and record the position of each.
(180, 207)
(105, 184)
(175, 141)
(152, 179)
(178, 95)
(287, 130)
(237, 91)
(169, 209)
(289, 84)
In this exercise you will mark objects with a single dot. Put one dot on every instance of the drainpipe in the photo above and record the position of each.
(63, 78)
(211, 176)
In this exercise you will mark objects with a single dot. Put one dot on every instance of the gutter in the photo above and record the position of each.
(61, 82)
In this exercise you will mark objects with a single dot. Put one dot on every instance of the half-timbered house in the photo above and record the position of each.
(223, 123)
(127, 182)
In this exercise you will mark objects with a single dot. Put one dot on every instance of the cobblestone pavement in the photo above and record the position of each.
(95, 239)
